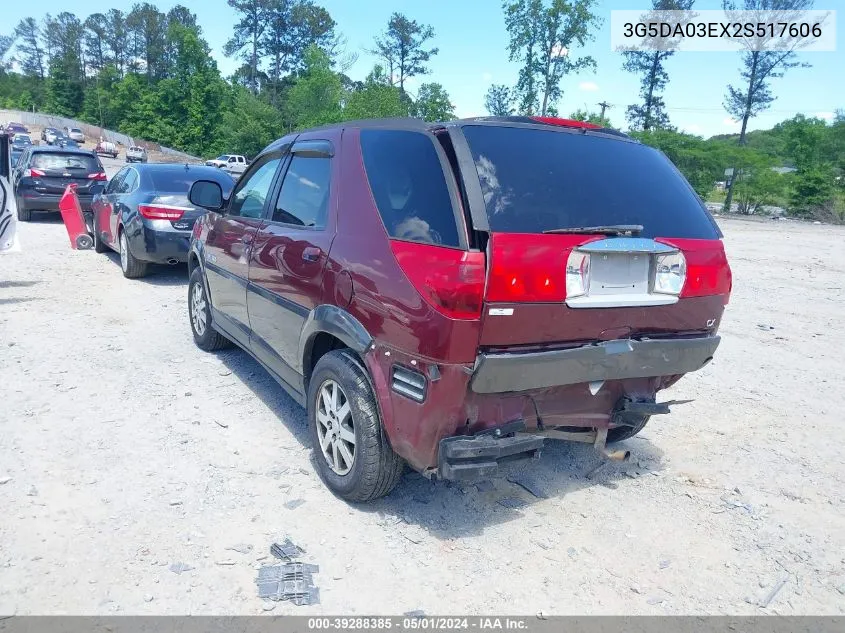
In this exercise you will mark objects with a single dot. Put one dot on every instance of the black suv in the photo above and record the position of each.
(43, 173)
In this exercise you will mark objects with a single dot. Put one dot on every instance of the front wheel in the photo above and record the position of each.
(199, 314)
(353, 456)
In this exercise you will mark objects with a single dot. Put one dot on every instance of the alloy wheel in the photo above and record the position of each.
(199, 315)
(335, 428)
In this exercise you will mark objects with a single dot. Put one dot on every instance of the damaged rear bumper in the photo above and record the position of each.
(474, 457)
(609, 360)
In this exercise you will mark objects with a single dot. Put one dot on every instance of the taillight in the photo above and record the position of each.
(161, 211)
(449, 280)
(707, 269)
(35, 173)
(100, 175)
(530, 268)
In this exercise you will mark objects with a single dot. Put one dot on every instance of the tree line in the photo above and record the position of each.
(150, 74)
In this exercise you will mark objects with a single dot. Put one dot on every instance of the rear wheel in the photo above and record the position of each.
(24, 214)
(352, 454)
(626, 432)
(132, 268)
(199, 313)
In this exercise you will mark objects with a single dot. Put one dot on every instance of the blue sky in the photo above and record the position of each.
(472, 40)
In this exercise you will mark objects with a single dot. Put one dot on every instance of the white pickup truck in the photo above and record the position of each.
(233, 163)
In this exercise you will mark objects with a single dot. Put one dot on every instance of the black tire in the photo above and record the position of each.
(210, 340)
(376, 469)
(627, 432)
(24, 214)
(132, 267)
(99, 246)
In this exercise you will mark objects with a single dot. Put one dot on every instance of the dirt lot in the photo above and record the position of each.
(124, 450)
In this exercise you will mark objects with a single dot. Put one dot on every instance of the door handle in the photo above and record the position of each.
(311, 254)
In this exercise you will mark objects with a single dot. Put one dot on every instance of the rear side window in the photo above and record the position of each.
(409, 187)
(65, 162)
(537, 180)
(304, 197)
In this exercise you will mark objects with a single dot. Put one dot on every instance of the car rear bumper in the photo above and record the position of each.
(609, 360)
(160, 247)
(36, 201)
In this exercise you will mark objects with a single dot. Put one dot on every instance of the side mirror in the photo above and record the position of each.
(206, 194)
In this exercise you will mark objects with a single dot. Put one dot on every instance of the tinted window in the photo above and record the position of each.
(304, 198)
(114, 183)
(66, 162)
(179, 180)
(251, 193)
(130, 182)
(536, 180)
(409, 186)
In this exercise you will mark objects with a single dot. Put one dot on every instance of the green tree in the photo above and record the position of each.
(247, 40)
(293, 26)
(542, 39)
(95, 41)
(377, 98)
(756, 184)
(651, 111)
(116, 39)
(32, 55)
(812, 193)
(498, 101)
(147, 27)
(759, 67)
(590, 117)
(402, 47)
(315, 98)
(248, 124)
(433, 103)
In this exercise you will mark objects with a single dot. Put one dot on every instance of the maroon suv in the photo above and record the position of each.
(452, 295)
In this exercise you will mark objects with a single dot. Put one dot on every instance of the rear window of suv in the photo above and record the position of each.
(65, 161)
(538, 180)
(409, 186)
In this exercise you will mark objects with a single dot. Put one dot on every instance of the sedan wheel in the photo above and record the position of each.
(335, 430)
(124, 253)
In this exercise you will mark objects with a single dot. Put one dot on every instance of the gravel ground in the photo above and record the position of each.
(125, 450)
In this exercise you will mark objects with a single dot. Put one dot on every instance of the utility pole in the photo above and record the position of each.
(604, 106)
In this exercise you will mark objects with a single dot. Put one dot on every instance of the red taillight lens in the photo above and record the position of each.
(161, 211)
(449, 280)
(530, 268)
(100, 175)
(708, 272)
(35, 173)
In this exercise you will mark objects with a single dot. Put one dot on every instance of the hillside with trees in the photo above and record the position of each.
(150, 74)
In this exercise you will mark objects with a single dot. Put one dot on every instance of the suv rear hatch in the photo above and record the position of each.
(592, 236)
(52, 172)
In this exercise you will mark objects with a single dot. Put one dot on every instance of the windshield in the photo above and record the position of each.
(538, 180)
(223, 157)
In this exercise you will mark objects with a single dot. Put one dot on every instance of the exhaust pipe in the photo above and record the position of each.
(172, 261)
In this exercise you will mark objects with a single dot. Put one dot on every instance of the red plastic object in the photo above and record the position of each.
(74, 221)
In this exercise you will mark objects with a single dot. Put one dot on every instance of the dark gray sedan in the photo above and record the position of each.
(144, 214)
